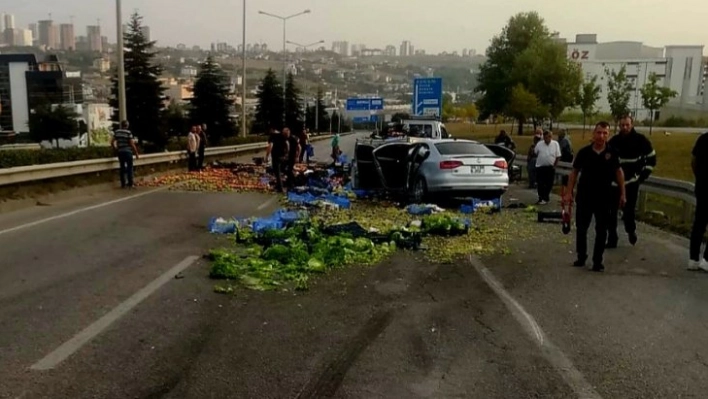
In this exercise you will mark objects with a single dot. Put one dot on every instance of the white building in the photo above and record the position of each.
(678, 67)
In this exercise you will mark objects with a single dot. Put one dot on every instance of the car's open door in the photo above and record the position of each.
(417, 154)
(392, 164)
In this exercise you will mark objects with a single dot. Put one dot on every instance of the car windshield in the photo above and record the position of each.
(463, 148)
(420, 130)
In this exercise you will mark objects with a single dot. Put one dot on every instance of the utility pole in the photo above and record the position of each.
(122, 112)
(243, 77)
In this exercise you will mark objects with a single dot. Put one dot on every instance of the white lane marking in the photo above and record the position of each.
(75, 343)
(572, 376)
(267, 203)
(77, 211)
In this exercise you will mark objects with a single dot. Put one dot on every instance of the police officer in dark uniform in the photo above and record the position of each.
(638, 160)
(598, 166)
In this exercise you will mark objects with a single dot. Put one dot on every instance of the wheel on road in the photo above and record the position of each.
(420, 190)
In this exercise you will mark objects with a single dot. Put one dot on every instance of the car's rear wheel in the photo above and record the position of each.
(420, 190)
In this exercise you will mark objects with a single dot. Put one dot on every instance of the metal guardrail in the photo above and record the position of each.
(677, 189)
(23, 174)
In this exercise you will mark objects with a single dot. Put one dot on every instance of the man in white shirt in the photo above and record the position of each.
(547, 155)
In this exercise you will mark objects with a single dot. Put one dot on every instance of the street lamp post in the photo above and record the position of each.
(285, 58)
(243, 76)
(122, 112)
(305, 46)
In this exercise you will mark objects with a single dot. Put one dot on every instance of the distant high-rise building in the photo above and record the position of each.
(35, 31)
(405, 48)
(2, 22)
(390, 50)
(93, 35)
(48, 34)
(8, 21)
(17, 37)
(67, 37)
(341, 48)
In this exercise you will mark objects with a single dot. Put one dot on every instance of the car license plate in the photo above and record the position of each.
(477, 169)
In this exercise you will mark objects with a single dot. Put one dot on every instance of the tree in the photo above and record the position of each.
(312, 113)
(496, 78)
(546, 72)
(293, 110)
(144, 93)
(654, 97)
(470, 112)
(269, 110)
(618, 92)
(174, 119)
(588, 95)
(524, 105)
(448, 108)
(211, 103)
(47, 123)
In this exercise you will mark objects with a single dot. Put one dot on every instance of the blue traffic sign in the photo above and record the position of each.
(427, 96)
(365, 119)
(365, 104)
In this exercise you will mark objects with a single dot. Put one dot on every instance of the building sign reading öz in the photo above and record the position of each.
(579, 55)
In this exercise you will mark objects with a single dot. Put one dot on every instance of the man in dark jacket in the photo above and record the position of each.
(699, 164)
(638, 159)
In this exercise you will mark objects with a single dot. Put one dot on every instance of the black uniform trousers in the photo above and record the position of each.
(586, 209)
(278, 166)
(700, 222)
(628, 212)
(545, 177)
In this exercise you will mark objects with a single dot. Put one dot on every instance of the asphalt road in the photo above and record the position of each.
(522, 325)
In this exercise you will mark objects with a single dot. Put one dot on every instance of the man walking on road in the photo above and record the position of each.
(699, 164)
(292, 156)
(548, 153)
(278, 150)
(124, 143)
(598, 166)
(638, 159)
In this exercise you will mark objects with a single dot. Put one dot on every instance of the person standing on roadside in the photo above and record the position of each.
(699, 164)
(335, 147)
(192, 148)
(567, 155)
(201, 131)
(278, 150)
(292, 156)
(531, 162)
(548, 153)
(598, 166)
(638, 160)
(124, 143)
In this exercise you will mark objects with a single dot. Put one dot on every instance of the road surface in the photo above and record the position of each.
(90, 307)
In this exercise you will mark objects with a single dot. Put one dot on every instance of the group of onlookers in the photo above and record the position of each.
(608, 174)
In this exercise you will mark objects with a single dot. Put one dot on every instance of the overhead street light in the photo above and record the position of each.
(285, 60)
(317, 108)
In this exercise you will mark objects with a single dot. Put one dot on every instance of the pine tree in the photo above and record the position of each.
(315, 110)
(269, 111)
(211, 103)
(320, 111)
(293, 110)
(144, 93)
(53, 124)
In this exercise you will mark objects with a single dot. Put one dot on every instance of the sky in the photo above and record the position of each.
(433, 25)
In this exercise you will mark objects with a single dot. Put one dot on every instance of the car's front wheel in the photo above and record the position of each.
(420, 190)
